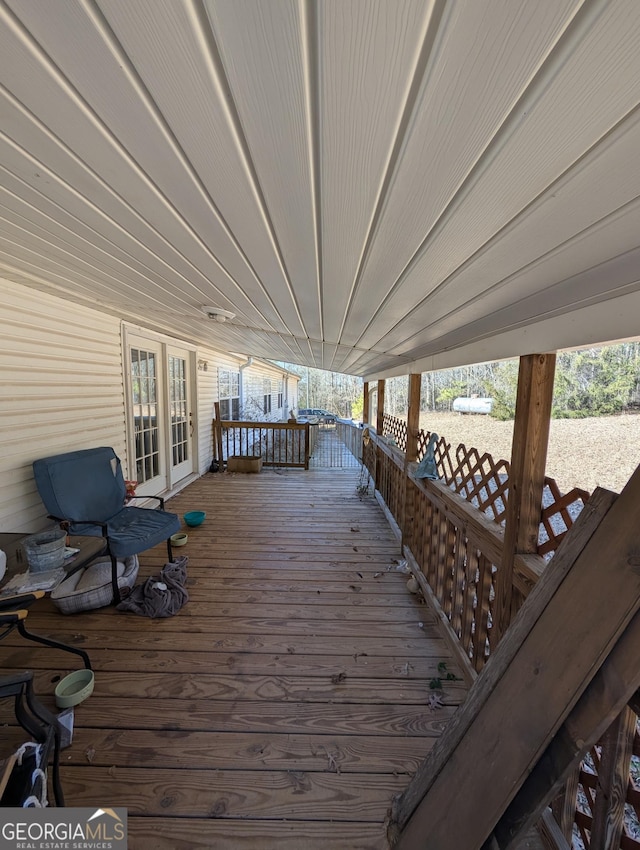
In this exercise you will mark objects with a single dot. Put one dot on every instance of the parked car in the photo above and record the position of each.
(316, 415)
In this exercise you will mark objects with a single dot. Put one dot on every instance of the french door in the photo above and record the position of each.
(161, 420)
(180, 413)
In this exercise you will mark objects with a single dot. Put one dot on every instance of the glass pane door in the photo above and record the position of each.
(146, 421)
(180, 415)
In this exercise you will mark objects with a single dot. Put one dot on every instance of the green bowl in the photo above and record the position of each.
(194, 518)
(74, 688)
(179, 539)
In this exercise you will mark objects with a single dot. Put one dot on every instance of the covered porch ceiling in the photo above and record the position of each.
(370, 186)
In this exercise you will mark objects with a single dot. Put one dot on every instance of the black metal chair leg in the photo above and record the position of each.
(55, 779)
(117, 598)
(169, 550)
(54, 643)
(51, 722)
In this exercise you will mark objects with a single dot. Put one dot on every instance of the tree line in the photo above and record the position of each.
(589, 382)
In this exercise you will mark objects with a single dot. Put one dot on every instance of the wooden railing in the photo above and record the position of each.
(351, 436)
(287, 444)
(453, 536)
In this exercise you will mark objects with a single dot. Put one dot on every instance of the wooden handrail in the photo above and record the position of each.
(287, 444)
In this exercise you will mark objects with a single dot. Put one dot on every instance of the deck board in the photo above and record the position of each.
(286, 704)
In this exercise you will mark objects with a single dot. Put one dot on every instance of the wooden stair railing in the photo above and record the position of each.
(563, 671)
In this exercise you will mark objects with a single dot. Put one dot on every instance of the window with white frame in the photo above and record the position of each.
(229, 394)
(266, 399)
(280, 395)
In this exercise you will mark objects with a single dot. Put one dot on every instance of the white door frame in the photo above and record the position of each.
(169, 475)
(181, 420)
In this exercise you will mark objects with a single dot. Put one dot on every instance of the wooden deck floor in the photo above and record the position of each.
(285, 705)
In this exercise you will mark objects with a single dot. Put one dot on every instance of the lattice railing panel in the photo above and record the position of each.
(482, 481)
(485, 483)
(477, 477)
(558, 515)
(588, 789)
(397, 429)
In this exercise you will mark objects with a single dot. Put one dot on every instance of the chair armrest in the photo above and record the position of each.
(66, 522)
(10, 685)
(8, 618)
(19, 600)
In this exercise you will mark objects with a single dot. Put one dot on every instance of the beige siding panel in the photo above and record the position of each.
(253, 378)
(207, 394)
(207, 390)
(61, 390)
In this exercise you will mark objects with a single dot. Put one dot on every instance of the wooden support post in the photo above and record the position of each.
(613, 781)
(564, 805)
(379, 430)
(411, 455)
(366, 403)
(526, 480)
(380, 411)
(413, 417)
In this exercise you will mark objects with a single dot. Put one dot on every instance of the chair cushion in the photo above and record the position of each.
(135, 530)
(83, 485)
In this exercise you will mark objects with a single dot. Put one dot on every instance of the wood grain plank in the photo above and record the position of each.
(368, 642)
(337, 688)
(422, 665)
(295, 795)
(163, 833)
(245, 751)
(204, 715)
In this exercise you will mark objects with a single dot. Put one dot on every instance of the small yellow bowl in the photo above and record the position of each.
(74, 688)
(179, 539)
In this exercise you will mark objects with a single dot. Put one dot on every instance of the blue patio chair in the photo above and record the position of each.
(85, 490)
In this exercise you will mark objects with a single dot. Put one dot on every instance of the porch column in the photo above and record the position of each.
(526, 482)
(413, 417)
(380, 412)
(366, 410)
(411, 455)
(379, 429)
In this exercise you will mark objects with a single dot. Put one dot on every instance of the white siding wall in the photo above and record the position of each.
(254, 378)
(207, 391)
(61, 389)
(291, 395)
